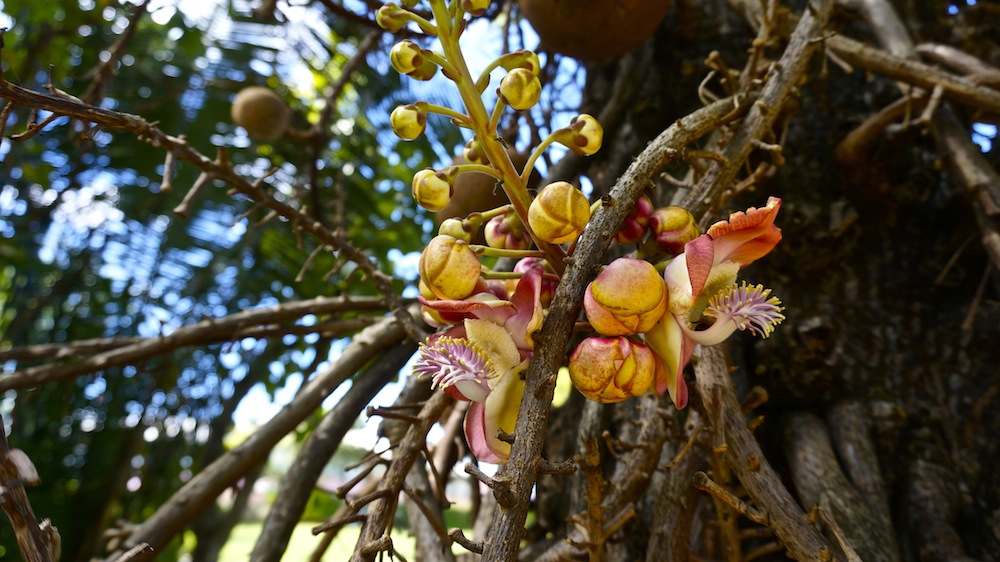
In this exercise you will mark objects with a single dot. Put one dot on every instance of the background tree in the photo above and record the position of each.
(156, 264)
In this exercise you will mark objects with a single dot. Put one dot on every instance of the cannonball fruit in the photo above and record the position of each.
(594, 30)
(262, 112)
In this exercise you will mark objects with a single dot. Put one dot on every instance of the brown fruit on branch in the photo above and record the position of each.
(594, 30)
(475, 193)
(262, 112)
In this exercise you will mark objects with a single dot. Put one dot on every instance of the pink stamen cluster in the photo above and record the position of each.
(452, 360)
(750, 307)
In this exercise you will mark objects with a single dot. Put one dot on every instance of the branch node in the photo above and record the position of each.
(458, 536)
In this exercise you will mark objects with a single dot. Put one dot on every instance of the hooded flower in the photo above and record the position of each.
(482, 360)
(706, 305)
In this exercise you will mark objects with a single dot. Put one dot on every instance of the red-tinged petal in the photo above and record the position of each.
(699, 255)
(485, 306)
(674, 349)
(475, 434)
(528, 318)
(747, 236)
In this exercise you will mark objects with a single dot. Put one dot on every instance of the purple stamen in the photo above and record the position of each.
(750, 307)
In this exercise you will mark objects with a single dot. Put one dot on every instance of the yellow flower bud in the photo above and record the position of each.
(456, 229)
(520, 89)
(475, 7)
(673, 227)
(405, 57)
(473, 152)
(391, 17)
(583, 136)
(610, 370)
(628, 297)
(432, 189)
(559, 213)
(408, 121)
(449, 268)
(521, 58)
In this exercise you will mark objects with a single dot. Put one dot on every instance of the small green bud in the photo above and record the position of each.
(583, 136)
(520, 89)
(391, 17)
(409, 3)
(408, 121)
(432, 189)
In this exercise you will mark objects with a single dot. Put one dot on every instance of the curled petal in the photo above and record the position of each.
(499, 411)
(528, 319)
(687, 274)
(747, 236)
(485, 306)
(668, 341)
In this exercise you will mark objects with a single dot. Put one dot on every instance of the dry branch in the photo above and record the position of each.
(299, 481)
(72, 107)
(188, 503)
(227, 328)
(16, 470)
(762, 484)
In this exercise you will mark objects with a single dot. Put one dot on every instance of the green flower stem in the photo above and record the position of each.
(501, 275)
(535, 155)
(479, 168)
(596, 205)
(459, 118)
(495, 118)
(439, 60)
(425, 26)
(513, 185)
(487, 215)
(498, 253)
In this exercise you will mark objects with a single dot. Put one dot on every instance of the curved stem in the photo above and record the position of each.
(513, 185)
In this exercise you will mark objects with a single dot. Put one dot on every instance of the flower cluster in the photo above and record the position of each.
(647, 312)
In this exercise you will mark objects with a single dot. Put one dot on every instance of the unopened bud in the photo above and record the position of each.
(628, 297)
(520, 89)
(559, 213)
(634, 226)
(673, 227)
(408, 121)
(432, 189)
(475, 7)
(391, 17)
(474, 153)
(506, 232)
(583, 136)
(456, 229)
(521, 58)
(449, 268)
(610, 370)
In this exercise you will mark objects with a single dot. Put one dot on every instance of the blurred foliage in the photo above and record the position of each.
(89, 247)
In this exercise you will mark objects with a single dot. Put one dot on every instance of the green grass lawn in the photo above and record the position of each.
(301, 546)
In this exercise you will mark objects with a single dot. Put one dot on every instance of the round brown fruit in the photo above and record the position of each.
(594, 30)
(475, 193)
(262, 112)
